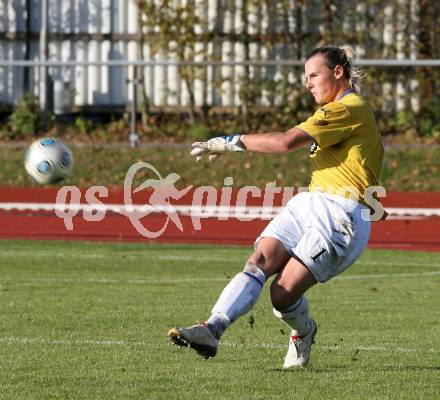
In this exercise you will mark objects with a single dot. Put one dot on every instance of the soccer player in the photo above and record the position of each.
(320, 233)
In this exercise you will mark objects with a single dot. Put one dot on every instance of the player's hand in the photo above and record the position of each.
(215, 146)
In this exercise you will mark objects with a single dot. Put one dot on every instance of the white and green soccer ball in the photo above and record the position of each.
(48, 160)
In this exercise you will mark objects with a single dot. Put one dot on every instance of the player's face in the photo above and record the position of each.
(321, 80)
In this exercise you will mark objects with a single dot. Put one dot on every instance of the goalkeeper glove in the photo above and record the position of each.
(215, 146)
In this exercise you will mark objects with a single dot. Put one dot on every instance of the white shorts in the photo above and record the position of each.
(325, 232)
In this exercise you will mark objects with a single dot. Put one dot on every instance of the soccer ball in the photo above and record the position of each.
(48, 160)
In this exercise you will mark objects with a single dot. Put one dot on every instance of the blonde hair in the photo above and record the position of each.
(355, 74)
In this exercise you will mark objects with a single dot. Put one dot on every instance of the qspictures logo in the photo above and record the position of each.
(205, 202)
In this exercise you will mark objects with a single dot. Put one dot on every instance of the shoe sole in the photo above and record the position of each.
(205, 351)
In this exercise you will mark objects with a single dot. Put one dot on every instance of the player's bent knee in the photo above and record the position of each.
(268, 263)
(257, 258)
(254, 270)
(278, 296)
(281, 297)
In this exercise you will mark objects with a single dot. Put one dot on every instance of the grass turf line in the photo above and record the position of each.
(89, 320)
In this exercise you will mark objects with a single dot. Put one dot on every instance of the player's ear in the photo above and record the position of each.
(338, 71)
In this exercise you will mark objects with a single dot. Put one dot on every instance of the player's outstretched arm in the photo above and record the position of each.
(274, 142)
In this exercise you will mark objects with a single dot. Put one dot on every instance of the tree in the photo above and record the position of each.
(171, 29)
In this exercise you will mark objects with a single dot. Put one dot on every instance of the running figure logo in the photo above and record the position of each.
(159, 201)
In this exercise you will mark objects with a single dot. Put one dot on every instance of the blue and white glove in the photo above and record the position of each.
(215, 146)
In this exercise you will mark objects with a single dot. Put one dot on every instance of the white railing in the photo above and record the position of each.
(104, 82)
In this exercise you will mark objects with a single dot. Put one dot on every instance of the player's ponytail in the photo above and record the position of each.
(353, 74)
(342, 56)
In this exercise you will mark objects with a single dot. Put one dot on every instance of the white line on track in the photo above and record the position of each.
(11, 340)
(232, 211)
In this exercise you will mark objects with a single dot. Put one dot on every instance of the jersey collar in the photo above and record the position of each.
(348, 91)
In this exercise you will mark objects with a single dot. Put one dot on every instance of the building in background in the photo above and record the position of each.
(225, 31)
(77, 30)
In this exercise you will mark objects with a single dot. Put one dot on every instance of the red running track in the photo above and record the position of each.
(408, 234)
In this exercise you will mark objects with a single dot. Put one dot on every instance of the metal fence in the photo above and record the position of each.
(82, 53)
(106, 84)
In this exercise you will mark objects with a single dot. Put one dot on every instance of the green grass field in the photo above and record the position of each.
(89, 321)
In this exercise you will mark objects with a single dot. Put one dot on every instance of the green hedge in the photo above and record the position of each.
(406, 168)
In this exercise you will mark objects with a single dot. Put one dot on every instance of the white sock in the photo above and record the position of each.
(296, 316)
(237, 298)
